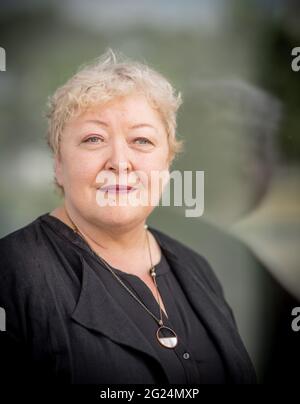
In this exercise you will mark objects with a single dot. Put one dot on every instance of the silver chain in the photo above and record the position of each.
(159, 321)
(152, 273)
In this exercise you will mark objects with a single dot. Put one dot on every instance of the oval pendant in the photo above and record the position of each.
(166, 337)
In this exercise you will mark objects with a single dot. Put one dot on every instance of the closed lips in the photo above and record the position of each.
(117, 188)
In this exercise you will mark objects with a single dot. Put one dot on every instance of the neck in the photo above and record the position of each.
(121, 240)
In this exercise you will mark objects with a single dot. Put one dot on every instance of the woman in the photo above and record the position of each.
(92, 295)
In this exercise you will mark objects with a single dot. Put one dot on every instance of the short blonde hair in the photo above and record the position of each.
(109, 76)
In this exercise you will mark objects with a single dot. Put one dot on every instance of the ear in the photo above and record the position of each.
(58, 169)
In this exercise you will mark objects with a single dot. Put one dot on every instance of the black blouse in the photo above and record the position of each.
(69, 319)
(195, 359)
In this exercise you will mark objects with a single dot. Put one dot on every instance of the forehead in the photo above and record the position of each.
(130, 109)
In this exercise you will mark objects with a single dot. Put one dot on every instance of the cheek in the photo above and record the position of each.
(81, 169)
(157, 160)
(153, 173)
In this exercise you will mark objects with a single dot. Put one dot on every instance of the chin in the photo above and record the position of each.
(117, 216)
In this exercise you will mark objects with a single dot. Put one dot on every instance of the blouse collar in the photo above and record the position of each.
(68, 233)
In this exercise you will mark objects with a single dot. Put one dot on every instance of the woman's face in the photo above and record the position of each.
(121, 142)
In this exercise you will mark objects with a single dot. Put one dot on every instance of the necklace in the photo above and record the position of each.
(165, 335)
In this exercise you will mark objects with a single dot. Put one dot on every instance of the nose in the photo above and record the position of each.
(118, 159)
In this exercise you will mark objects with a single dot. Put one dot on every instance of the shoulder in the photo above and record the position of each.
(194, 258)
(20, 250)
(23, 234)
(21, 275)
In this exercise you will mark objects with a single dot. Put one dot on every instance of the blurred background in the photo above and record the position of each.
(231, 60)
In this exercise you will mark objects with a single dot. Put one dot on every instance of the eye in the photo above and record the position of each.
(143, 140)
(92, 139)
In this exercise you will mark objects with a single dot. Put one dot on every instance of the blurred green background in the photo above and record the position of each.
(231, 60)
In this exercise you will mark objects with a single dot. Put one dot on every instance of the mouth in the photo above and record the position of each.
(118, 189)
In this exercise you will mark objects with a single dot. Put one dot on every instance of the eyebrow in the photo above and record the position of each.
(136, 126)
